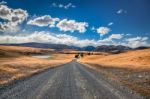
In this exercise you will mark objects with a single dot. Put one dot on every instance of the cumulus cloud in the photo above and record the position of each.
(72, 25)
(63, 25)
(45, 20)
(8, 27)
(116, 36)
(103, 30)
(12, 18)
(137, 42)
(46, 37)
(111, 38)
(121, 11)
(67, 6)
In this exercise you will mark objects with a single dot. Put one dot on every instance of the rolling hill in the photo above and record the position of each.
(59, 47)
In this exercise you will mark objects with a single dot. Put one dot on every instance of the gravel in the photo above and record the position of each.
(69, 81)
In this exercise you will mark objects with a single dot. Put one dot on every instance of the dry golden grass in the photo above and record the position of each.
(131, 68)
(15, 50)
(19, 48)
(132, 59)
(13, 68)
(15, 63)
(63, 56)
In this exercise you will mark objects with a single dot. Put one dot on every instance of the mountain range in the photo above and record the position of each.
(59, 47)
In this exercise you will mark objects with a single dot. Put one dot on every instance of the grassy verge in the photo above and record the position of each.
(17, 62)
(136, 79)
(131, 68)
(13, 68)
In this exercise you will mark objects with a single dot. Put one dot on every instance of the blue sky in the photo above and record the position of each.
(76, 22)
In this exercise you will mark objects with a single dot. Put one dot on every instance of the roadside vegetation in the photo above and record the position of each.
(131, 68)
(17, 62)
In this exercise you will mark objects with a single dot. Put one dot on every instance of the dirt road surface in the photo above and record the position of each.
(69, 81)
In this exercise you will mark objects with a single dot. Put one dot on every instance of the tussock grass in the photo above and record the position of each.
(132, 59)
(17, 62)
(131, 69)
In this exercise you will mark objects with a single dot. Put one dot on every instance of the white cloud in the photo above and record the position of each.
(115, 36)
(72, 25)
(111, 38)
(103, 30)
(121, 11)
(63, 25)
(111, 23)
(45, 20)
(8, 27)
(46, 37)
(12, 18)
(137, 42)
(137, 39)
(67, 6)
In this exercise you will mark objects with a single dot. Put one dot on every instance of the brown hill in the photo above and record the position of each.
(16, 50)
(130, 59)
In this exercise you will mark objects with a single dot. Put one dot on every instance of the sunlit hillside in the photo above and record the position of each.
(130, 59)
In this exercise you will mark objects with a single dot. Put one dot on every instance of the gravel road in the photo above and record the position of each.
(69, 81)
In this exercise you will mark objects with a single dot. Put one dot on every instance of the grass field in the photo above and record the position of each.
(131, 69)
(17, 62)
(139, 59)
